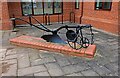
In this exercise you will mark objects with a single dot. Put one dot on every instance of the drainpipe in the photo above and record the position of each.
(81, 12)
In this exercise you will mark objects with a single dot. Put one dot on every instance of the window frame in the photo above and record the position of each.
(76, 5)
(33, 14)
(103, 6)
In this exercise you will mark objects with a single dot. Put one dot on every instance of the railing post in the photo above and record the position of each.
(43, 18)
(46, 19)
(14, 23)
(58, 18)
(49, 19)
(30, 20)
(74, 17)
(62, 18)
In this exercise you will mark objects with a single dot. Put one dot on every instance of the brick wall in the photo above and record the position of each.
(105, 20)
(5, 23)
(0, 14)
(15, 8)
(119, 17)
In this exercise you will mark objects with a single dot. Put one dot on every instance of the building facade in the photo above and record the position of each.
(102, 15)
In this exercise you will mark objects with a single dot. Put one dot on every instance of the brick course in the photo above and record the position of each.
(32, 42)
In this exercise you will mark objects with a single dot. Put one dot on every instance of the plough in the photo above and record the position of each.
(75, 39)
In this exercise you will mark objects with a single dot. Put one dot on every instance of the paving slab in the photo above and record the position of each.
(11, 52)
(23, 60)
(75, 74)
(73, 68)
(33, 56)
(62, 61)
(113, 67)
(101, 70)
(43, 61)
(52, 66)
(41, 74)
(56, 72)
(89, 73)
(9, 70)
(45, 54)
(31, 70)
(8, 57)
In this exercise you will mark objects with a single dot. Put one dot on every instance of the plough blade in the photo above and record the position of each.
(53, 38)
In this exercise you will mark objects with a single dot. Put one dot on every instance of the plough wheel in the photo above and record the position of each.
(76, 44)
(85, 42)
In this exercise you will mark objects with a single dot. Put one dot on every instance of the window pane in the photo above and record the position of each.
(57, 6)
(26, 8)
(77, 4)
(48, 7)
(99, 4)
(107, 5)
(37, 7)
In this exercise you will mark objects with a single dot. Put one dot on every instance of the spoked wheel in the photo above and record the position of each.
(73, 39)
(76, 45)
(85, 42)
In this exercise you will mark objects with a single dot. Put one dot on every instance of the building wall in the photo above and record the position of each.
(119, 18)
(104, 20)
(0, 14)
(5, 23)
(15, 8)
(101, 19)
(77, 12)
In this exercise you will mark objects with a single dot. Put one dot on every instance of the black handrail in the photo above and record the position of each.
(59, 18)
(44, 28)
(47, 19)
(62, 18)
(14, 23)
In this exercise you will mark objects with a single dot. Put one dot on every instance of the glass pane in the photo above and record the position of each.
(99, 4)
(26, 8)
(26, 0)
(107, 5)
(77, 4)
(37, 7)
(48, 7)
(57, 6)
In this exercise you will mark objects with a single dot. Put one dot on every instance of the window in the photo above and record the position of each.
(37, 8)
(58, 6)
(48, 7)
(76, 4)
(100, 5)
(26, 7)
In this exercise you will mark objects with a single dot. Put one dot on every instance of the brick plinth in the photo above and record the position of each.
(39, 43)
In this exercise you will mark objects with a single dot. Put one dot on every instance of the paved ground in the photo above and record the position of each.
(19, 61)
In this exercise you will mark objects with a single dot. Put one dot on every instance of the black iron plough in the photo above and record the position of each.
(75, 38)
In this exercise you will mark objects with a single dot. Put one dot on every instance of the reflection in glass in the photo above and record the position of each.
(48, 7)
(107, 5)
(77, 4)
(27, 8)
(57, 6)
(38, 8)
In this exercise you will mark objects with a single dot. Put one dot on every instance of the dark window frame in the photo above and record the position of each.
(43, 9)
(103, 6)
(76, 5)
